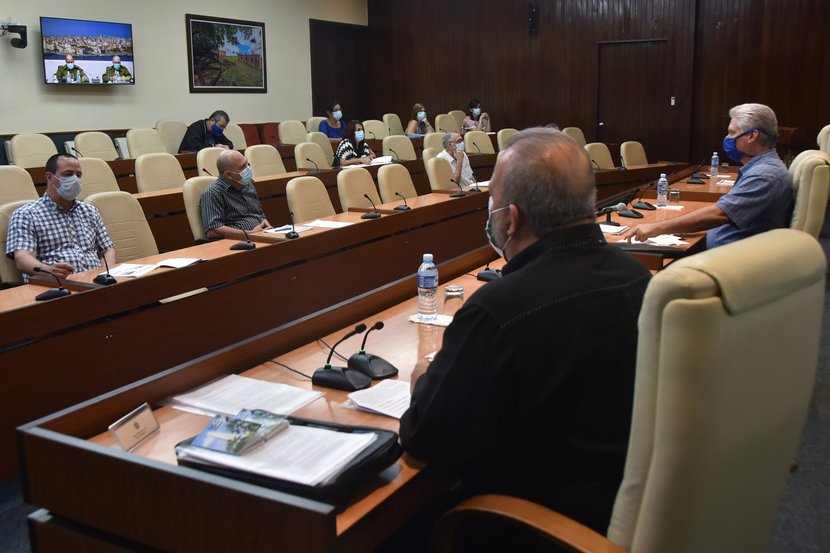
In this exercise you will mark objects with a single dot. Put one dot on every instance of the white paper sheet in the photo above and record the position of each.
(285, 229)
(611, 229)
(317, 223)
(389, 397)
(440, 320)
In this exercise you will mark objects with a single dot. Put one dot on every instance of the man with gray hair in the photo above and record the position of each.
(453, 153)
(531, 391)
(762, 197)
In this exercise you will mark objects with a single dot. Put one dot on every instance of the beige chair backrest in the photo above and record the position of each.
(8, 270)
(726, 358)
(235, 134)
(459, 117)
(325, 145)
(600, 154)
(308, 199)
(292, 132)
(823, 139)
(352, 185)
(376, 130)
(98, 177)
(144, 141)
(16, 184)
(206, 161)
(31, 150)
(428, 154)
(395, 178)
(476, 142)
(434, 140)
(503, 138)
(95, 145)
(192, 190)
(171, 132)
(810, 172)
(265, 160)
(393, 123)
(306, 151)
(575, 133)
(446, 123)
(402, 146)
(313, 123)
(632, 153)
(439, 173)
(126, 224)
(158, 171)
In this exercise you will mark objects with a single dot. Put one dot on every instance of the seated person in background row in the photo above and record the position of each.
(762, 197)
(419, 125)
(476, 120)
(58, 233)
(532, 390)
(332, 126)
(453, 152)
(353, 149)
(70, 71)
(207, 133)
(123, 74)
(231, 203)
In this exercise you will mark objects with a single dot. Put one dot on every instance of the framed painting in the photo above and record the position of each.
(225, 55)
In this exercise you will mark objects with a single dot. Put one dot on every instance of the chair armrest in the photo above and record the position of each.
(555, 526)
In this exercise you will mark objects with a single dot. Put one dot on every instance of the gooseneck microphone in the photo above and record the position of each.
(397, 158)
(374, 214)
(640, 204)
(245, 244)
(596, 164)
(52, 293)
(460, 193)
(77, 152)
(369, 364)
(697, 177)
(106, 279)
(607, 211)
(206, 171)
(316, 167)
(373, 135)
(403, 207)
(476, 145)
(341, 378)
(475, 187)
(293, 234)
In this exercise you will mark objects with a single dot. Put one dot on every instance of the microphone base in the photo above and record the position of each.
(313, 172)
(695, 180)
(52, 294)
(396, 160)
(293, 235)
(476, 189)
(244, 245)
(700, 176)
(371, 215)
(403, 208)
(371, 365)
(630, 213)
(105, 280)
(643, 205)
(459, 194)
(340, 378)
(487, 275)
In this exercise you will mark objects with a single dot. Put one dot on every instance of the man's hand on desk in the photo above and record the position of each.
(61, 270)
(264, 225)
(642, 232)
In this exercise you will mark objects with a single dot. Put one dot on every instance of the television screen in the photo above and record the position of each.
(87, 52)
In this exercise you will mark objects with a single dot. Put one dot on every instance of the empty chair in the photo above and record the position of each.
(351, 187)
(434, 140)
(313, 123)
(811, 181)
(233, 132)
(575, 133)
(325, 144)
(8, 270)
(308, 199)
(292, 132)
(158, 171)
(718, 411)
(440, 174)
(15, 184)
(144, 141)
(395, 179)
(95, 145)
(251, 134)
(206, 161)
(447, 123)
(503, 138)
(376, 130)
(459, 116)
(478, 142)
(69, 148)
(309, 155)
(192, 191)
(265, 160)
(402, 147)
(171, 132)
(31, 150)
(269, 133)
(393, 123)
(122, 149)
(126, 224)
(600, 155)
(823, 139)
(98, 177)
(428, 154)
(632, 153)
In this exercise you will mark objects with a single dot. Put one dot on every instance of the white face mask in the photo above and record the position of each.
(247, 176)
(460, 146)
(488, 229)
(70, 187)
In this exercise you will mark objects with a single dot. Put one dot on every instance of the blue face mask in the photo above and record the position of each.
(337, 115)
(359, 136)
(70, 66)
(476, 112)
(216, 130)
(116, 66)
(421, 115)
(731, 148)
(488, 229)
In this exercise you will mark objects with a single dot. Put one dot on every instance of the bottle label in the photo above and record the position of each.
(427, 281)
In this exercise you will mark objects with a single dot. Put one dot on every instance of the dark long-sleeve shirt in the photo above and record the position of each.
(198, 136)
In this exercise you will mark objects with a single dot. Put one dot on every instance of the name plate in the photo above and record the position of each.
(135, 427)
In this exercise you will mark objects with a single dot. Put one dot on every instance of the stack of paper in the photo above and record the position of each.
(611, 229)
(137, 270)
(317, 223)
(671, 207)
(382, 160)
(390, 398)
(662, 240)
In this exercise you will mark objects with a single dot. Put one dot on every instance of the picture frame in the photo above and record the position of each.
(225, 55)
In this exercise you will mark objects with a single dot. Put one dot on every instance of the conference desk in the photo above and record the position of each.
(709, 191)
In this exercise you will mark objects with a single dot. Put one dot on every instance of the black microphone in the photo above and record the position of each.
(316, 167)
(106, 279)
(372, 214)
(77, 153)
(607, 211)
(622, 166)
(442, 130)
(206, 171)
(475, 187)
(397, 158)
(244, 245)
(476, 145)
(403, 207)
(369, 364)
(596, 164)
(373, 135)
(293, 234)
(460, 193)
(341, 378)
(487, 274)
(52, 293)
(696, 177)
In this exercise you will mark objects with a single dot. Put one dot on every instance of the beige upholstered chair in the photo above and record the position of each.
(206, 161)
(393, 123)
(144, 141)
(823, 139)
(459, 116)
(394, 178)
(8, 270)
(308, 199)
(234, 133)
(440, 174)
(600, 155)
(292, 132)
(325, 144)
(352, 185)
(95, 145)
(446, 123)
(376, 130)
(632, 153)
(265, 160)
(313, 123)
(402, 146)
(158, 171)
(434, 140)
(503, 138)
(15, 184)
(306, 151)
(575, 133)
(98, 177)
(726, 360)
(171, 132)
(428, 154)
(192, 190)
(126, 224)
(478, 142)
(31, 150)
(810, 172)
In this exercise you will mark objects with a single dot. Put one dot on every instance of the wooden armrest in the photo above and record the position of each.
(534, 517)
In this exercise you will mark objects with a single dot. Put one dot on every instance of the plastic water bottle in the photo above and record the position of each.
(69, 77)
(427, 289)
(663, 191)
(713, 167)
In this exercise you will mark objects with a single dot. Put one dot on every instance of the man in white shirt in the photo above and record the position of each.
(453, 152)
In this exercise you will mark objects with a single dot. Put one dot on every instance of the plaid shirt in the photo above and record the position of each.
(77, 236)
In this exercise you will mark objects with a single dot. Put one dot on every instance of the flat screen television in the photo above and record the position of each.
(94, 46)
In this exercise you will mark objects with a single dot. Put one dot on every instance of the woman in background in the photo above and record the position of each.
(353, 149)
(331, 126)
(476, 119)
(419, 125)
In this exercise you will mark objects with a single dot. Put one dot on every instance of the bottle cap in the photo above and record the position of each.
(662, 175)
(427, 258)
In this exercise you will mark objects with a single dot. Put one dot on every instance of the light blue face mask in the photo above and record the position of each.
(488, 229)
(421, 115)
(359, 136)
(116, 66)
(70, 187)
(476, 112)
(337, 115)
(247, 176)
(459, 147)
(70, 66)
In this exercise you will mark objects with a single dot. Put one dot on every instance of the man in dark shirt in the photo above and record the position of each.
(206, 133)
(531, 392)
